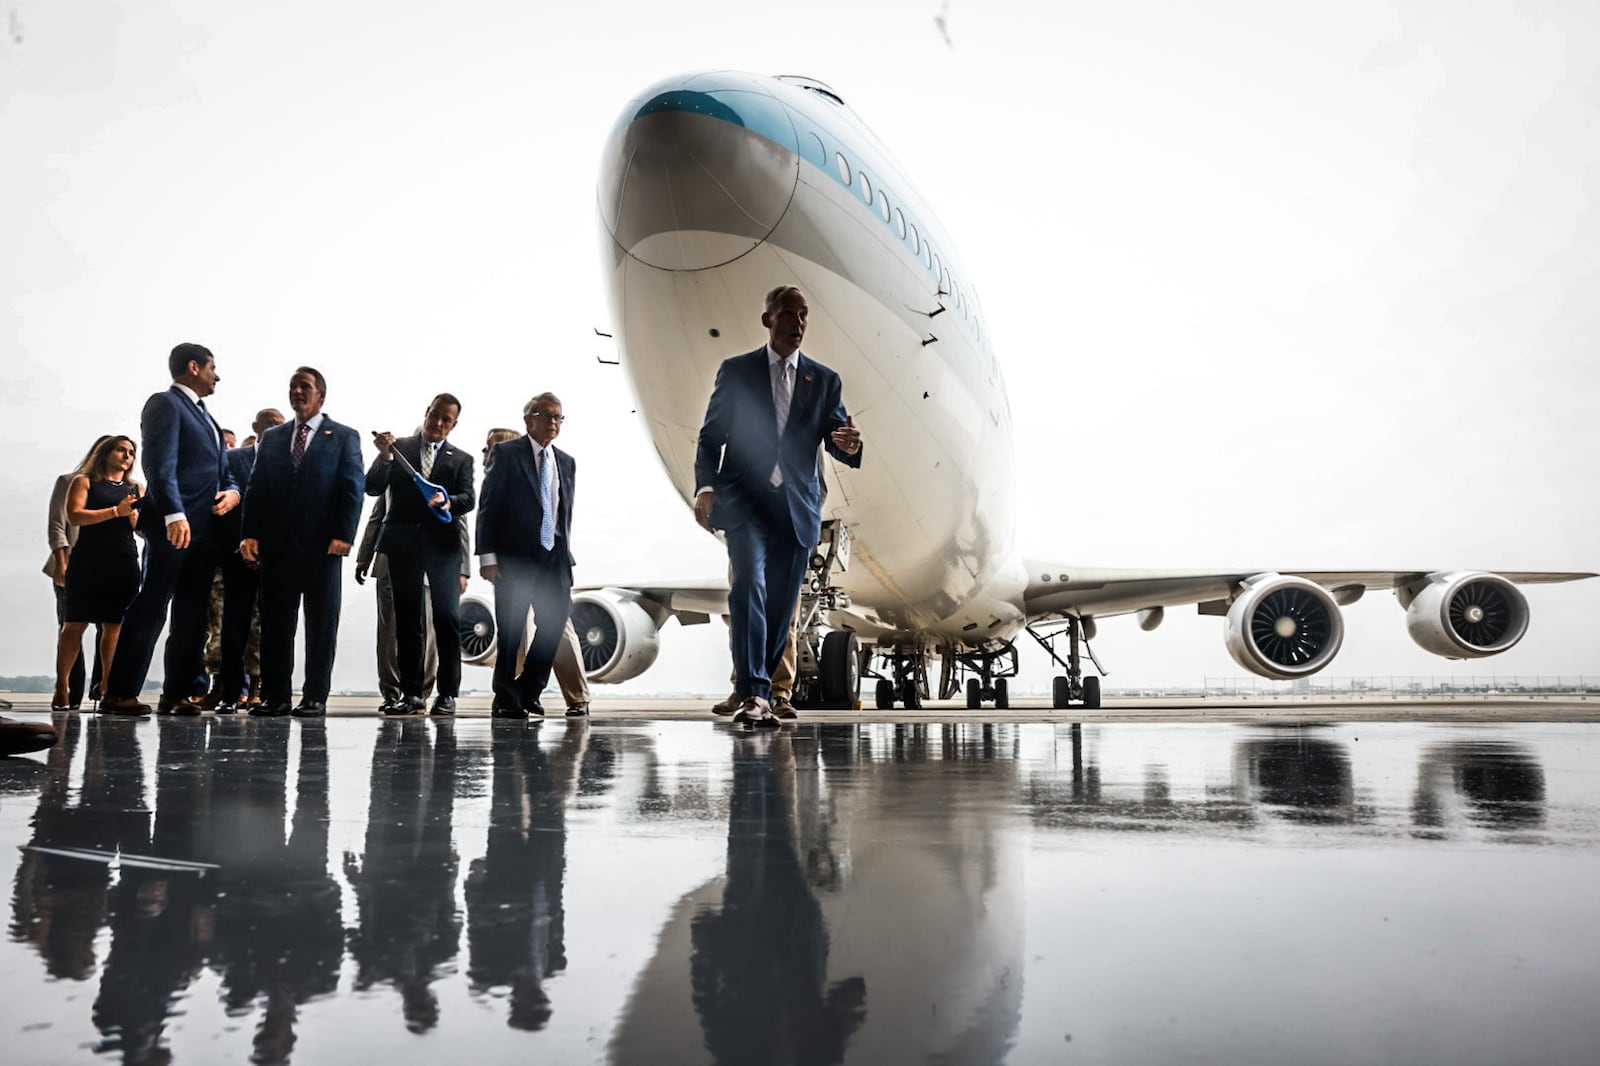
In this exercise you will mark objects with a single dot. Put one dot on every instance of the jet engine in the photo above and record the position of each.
(1465, 614)
(475, 621)
(1284, 627)
(618, 633)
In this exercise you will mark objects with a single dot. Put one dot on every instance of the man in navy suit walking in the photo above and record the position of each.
(524, 529)
(300, 516)
(190, 487)
(756, 472)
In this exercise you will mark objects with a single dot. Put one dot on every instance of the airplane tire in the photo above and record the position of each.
(1002, 695)
(974, 694)
(1060, 692)
(910, 696)
(841, 670)
(884, 695)
(1091, 692)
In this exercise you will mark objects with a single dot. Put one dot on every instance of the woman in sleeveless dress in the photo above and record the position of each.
(103, 575)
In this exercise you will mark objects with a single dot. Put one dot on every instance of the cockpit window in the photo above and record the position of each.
(812, 85)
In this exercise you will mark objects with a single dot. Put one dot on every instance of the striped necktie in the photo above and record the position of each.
(427, 459)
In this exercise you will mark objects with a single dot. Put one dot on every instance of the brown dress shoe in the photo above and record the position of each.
(727, 706)
(123, 705)
(784, 709)
(188, 706)
(17, 737)
(755, 711)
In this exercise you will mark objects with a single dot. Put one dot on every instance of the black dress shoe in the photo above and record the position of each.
(19, 737)
(388, 706)
(444, 706)
(310, 709)
(535, 709)
(230, 707)
(578, 710)
(271, 709)
(499, 711)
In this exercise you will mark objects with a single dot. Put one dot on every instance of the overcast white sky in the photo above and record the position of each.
(1274, 285)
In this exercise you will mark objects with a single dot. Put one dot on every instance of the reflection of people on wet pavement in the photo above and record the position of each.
(515, 917)
(159, 917)
(279, 936)
(759, 966)
(60, 902)
(409, 930)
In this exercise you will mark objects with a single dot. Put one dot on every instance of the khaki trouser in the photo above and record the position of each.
(568, 665)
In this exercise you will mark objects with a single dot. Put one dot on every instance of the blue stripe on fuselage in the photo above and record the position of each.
(746, 101)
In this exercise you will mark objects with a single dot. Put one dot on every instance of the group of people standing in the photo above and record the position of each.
(278, 516)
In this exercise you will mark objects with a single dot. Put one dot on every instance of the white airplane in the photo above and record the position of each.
(717, 186)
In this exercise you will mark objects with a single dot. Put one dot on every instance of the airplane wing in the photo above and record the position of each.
(690, 602)
(1059, 591)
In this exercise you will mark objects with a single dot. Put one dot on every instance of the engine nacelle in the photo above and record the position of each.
(1466, 614)
(620, 638)
(1284, 627)
(475, 622)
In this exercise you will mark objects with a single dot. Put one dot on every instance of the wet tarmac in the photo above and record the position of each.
(657, 891)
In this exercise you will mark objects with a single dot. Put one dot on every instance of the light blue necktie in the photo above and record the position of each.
(547, 505)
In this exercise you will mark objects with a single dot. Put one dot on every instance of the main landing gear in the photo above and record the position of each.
(907, 683)
(828, 664)
(902, 673)
(1072, 687)
(992, 665)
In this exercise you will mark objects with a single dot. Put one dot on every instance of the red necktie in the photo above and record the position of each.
(298, 452)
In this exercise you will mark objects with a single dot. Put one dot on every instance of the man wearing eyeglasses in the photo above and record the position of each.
(524, 533)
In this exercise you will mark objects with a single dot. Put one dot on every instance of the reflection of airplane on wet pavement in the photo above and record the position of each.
(715, 187)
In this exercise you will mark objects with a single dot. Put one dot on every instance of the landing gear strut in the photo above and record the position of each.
(902, 674)
(828, 664)
(1072, 687)
(993, 665)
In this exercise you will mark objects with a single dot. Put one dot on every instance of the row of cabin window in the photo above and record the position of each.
(907, 231)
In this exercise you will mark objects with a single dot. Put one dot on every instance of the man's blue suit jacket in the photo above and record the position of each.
(739, 442)
(508, 506)
(301, 511)
(185, 464)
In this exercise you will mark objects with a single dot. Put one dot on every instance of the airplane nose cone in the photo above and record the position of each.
(698, 172)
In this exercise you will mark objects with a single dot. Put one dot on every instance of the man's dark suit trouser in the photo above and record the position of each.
(286, 578)
(544, 584)
(240, 583)
(181, 579)
(768, 565)
(443, 571)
